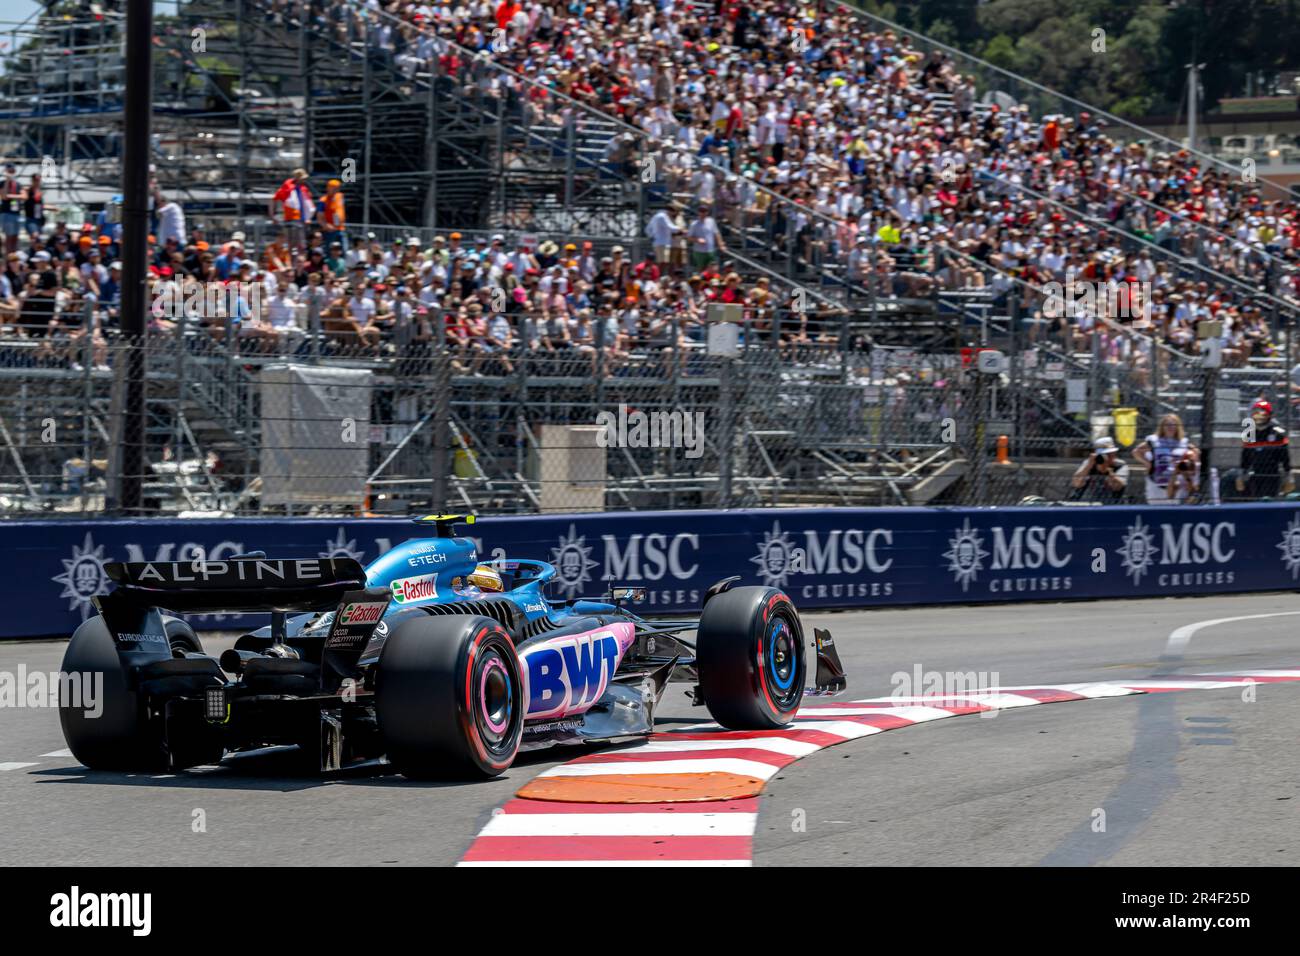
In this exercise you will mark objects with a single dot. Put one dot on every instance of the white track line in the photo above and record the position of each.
(776, 745)
(747, 768)
(1179, 637)
(620, 824)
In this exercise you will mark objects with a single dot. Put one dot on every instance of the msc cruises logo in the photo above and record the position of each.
(83, 576)
(342, 547)
(573, 563)
(1138, 550)
(775, 557)
(1290, 546)
(965, 554)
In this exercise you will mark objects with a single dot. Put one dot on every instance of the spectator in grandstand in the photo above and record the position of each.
(1172, 463)
(226, 265)
(705, 239)
(1265, 469)
(171, 219)
(42, 302)
(8, 293)
(34, 207)
(1101, 477)
(110, 296)
(660, 230)
(353, 322)
(332, 215)
(336, 259)
(292, 205)
(11, 193)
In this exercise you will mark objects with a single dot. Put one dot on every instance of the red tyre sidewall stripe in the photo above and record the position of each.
(471, 722)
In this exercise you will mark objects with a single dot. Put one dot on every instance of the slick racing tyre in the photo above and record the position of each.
(449, 697)
(113, 734)
(181, 637)
(750, 651)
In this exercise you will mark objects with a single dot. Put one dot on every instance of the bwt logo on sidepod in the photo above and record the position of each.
(568, 674)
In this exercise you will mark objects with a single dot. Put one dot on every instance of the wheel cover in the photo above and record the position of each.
(779, 663)
(494, 705)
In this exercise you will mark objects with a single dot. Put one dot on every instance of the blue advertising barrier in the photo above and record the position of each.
(824, 558)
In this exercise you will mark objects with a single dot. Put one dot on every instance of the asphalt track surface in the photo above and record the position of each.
(1198, 777)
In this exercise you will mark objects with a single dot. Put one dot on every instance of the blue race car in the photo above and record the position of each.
(442, 664)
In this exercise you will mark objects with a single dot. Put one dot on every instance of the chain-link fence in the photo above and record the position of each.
(522, 414)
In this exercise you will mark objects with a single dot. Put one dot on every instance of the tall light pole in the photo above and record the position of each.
(1193, 92)
(135, 253)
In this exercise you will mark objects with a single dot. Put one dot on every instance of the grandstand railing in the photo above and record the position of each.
(805, 413)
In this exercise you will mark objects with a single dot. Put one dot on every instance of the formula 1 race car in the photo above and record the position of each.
(443, 665)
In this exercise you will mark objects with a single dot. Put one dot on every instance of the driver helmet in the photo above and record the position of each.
(486, 578)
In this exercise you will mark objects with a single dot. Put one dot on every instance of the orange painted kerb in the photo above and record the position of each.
(643, 788)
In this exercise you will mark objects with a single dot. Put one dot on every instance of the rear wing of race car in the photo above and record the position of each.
(237, 584)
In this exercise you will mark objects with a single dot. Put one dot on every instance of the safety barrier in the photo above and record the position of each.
(824, 558)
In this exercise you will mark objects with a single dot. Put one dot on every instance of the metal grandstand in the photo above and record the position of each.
(246, 90)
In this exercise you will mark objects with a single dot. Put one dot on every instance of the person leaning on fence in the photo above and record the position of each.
(1172, 462)
(1265, 456)
(1101, 477)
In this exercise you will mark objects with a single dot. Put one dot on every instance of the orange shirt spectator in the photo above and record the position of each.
(1051, 135)
(332, 216)
(506, 12)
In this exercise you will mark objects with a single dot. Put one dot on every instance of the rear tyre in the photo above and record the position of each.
(449, 697)
(181, 637)
(112, 733)
(750, 650)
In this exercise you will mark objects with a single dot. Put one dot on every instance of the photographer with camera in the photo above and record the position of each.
(1173, 463)
(1101, 477)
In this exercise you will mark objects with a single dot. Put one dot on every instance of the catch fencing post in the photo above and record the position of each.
(441, 437)
(727, 404)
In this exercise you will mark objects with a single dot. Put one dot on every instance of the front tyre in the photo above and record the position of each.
(750, 652)
(450, 698)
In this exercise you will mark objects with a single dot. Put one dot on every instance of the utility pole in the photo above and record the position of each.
(1193, 93)
(135, 253)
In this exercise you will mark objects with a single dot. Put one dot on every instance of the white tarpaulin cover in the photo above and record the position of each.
(315, 434)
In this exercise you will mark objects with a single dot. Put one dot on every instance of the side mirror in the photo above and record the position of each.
(630, 595)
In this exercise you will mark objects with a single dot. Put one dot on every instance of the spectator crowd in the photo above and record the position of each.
(873, 156)
(879, 155)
